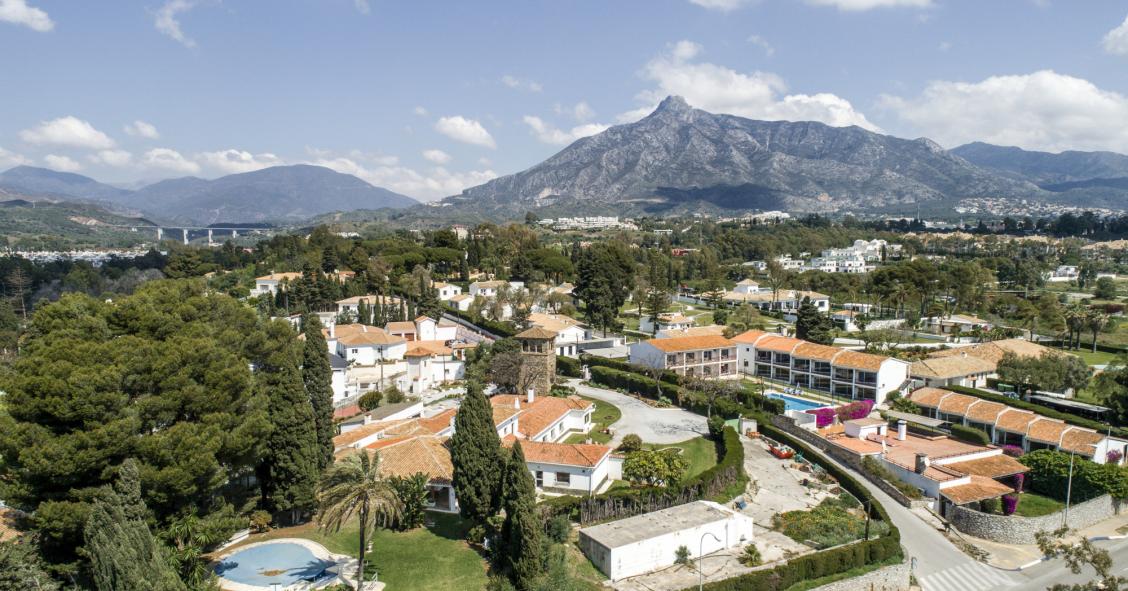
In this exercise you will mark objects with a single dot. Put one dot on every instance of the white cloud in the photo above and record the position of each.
(19, 13)
(362, 6)
(420, 111)
(1039, 111)
(762, 43)
(519, 84)
(859, 5)
(1116, 40)
(62, 163)
(233, 161)
(140, 128)
(171, 160)
(167, 20)
(758, 95)
(427, 185)
(944, 46)
(465, 130)
(549, 134)
(722, 5)
(436, 156)
(115, 158)
(67, 131)
(581, 111)
(9, 159)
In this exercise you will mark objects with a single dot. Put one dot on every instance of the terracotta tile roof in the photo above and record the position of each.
(863, 361)
(373, 336)
(487, 284)
(1047, 430)
(779, 344)
(8, 519)
(565, 454)
(502, 414)
(426, 454)
(438, 423)
(536, 332)
(371, 299)
(816, 352)
(554, 322)
(956, 366)
(748, 337)
(677, 344)
(427, 349)
(929, 397)
(279, 277)
(1081, 441)
(957, 404)
(462, 297)
(994, 350)
(985, 412)
(979, 489)
(1014, 420)
(996, 466)
(545, 411)
(351, 436)
(400, 326)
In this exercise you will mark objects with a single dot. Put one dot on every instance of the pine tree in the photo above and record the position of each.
(318, 377)
(124, 554)
(475, 452)
(362, 313)
(812, 325)
(288, 473)
(523, 531)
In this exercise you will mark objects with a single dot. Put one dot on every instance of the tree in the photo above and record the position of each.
(414, 496)
(370, 400)
(475, 452)
(777, 278)
(354, 488)
(318, 377)
(288, 473)
(123, 552)
(1055, 372)
(1095, 321)
(523, 530)
(18, 283)
(1079, 553)
(654, 468)
(603, 279)
(1106, 289)
(21, 568)
(812, 325)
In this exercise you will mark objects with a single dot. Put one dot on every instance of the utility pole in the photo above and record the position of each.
(1068, 493)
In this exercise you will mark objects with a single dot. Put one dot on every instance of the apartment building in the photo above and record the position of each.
(711, 356)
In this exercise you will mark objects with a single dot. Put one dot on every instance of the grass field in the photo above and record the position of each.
(1097, 358)
(605, 414)
(423, 559)
(1033, 505)
(699, 453)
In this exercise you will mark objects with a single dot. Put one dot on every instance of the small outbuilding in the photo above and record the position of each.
(648, 542)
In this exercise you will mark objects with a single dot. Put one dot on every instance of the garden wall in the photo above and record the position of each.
(1015, 529)
(889, 578)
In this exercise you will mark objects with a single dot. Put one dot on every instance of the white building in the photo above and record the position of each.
(649, 542)
(461, 302)
(569, 331)
(1063, 273)
(447, 291)
(352, 305)
(671, 321)
(710, 356)
(366, 345)
(273, 282)
(571, 468)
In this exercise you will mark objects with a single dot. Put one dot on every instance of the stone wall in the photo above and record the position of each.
(889, 578)
(1014, 529)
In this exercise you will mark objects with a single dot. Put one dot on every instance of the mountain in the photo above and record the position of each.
(276, 194)
(30, 180)
(1045, 168)
(680, 158)
(42, 223)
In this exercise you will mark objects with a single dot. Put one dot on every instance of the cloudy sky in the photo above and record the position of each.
(429, 97)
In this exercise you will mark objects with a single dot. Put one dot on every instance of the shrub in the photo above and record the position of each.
(716, 427)
(562, 391)
(875, 469)
(558, 529)
(970, 434)
(1049, 476)
(370, 400)
(566, 366)
(1013, 451)
(393, 395)
(260, 521)
(828, 524)
(990, 506)
(631, 443)
(855, 410)
(824, 417)
(1113, 456)
(1010, 503)
(413, 497)
(681, 555)
(751, 556)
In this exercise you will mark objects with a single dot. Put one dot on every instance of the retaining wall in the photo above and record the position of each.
(1015, 529)
(889, 578)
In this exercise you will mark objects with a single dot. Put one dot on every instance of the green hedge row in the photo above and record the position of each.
(691, 400)
(1037, 408)
(568, 367)
(827, 562)
(668, 376)
(501, 329)
(1049, 476)
(970, 434)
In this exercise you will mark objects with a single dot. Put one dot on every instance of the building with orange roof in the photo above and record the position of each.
(546, 418)
(360, 344)
(956, 370)
(570, 468)
(709, 356)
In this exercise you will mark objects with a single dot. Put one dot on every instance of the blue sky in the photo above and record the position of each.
(429, 97)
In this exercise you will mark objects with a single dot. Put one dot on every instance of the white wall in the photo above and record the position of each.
(585, 480)
(369, 354)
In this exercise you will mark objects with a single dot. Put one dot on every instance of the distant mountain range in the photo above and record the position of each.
(277, 194)
(681, 159)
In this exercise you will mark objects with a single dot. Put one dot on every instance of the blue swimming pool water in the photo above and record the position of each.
(287, 564)
(793, 403)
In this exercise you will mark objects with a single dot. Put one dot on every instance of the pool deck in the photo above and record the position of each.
(343, 563)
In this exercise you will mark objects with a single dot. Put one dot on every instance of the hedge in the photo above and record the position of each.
(501, 329)
(827, 562)
(686, 398)
(1038, 408)
(970, 434)
(568, 367)
(1049, 476)
(668, 376)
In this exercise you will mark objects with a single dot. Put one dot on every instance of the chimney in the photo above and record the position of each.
(902, 430)
(332, 330)
(922, 462)
(531, 395)
(517, 402)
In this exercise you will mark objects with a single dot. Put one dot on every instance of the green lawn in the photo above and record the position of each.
(699, 453)
(1033, 505)
(605, 414)
(1095, 358)
(423, 559)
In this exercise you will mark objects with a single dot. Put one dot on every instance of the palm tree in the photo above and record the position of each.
(354, 487)
(1096, 320)
(1075, 321)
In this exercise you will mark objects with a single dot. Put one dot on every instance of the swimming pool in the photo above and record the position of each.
(283, 563)
(793, 403)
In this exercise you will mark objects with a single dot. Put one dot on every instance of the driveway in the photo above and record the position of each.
(653, 425)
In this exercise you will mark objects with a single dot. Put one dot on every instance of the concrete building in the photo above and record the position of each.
(693, 356)
(273, 282)
(649, 542)
(360, 344)
(571, 468)
(667, 321)
(447, 290)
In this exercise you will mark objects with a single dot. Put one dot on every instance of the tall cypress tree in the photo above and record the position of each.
(318, 377)
(124, 554)
(523, 531)
(475, 451)
(288, 472)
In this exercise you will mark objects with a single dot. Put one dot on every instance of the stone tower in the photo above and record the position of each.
(538, 360)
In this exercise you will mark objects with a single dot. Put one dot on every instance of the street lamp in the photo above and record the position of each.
(700, 556)
(1068, 493)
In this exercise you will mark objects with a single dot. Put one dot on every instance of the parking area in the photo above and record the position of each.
(653, 425)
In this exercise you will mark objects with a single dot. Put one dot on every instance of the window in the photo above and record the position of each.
(707, 355)
(540, 478)
(564, 478)
(671, 360)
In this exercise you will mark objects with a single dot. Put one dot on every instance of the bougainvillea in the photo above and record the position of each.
(824, 417)
(1013, 451)
(1010, 502)
(855, 410)
(1019, 481)
(1113, 456)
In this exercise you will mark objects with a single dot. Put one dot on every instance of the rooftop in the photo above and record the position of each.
(583, 455)
(658, 523)
(536, 332)
(990, 467)
(361, 335)
(749, 337)
(279, 277)
(862, 361)
(956, 366)
(979, 489)
(994, 350)
(676, 344)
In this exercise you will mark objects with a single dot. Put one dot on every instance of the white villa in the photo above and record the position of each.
(447, 291)
(569, 331)
(670, 321)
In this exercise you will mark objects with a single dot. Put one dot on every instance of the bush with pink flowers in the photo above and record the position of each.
(855, 410)
(1013, 451)
(1114, 456)
(824, 417)
(1010, 503)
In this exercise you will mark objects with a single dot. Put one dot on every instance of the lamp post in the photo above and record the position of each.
(700, 555)
(1068, 493)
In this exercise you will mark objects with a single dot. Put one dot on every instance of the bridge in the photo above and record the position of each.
(232, 231)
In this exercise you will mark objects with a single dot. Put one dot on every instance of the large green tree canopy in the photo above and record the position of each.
(164, 376)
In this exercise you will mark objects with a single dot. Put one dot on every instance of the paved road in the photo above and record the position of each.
(653, 425)
(1041, 576)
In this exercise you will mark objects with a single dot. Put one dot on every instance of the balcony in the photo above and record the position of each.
(763, 357)
(865, 377)
(781, 359)
(822, 369)
(843, 375)
(801, 365)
